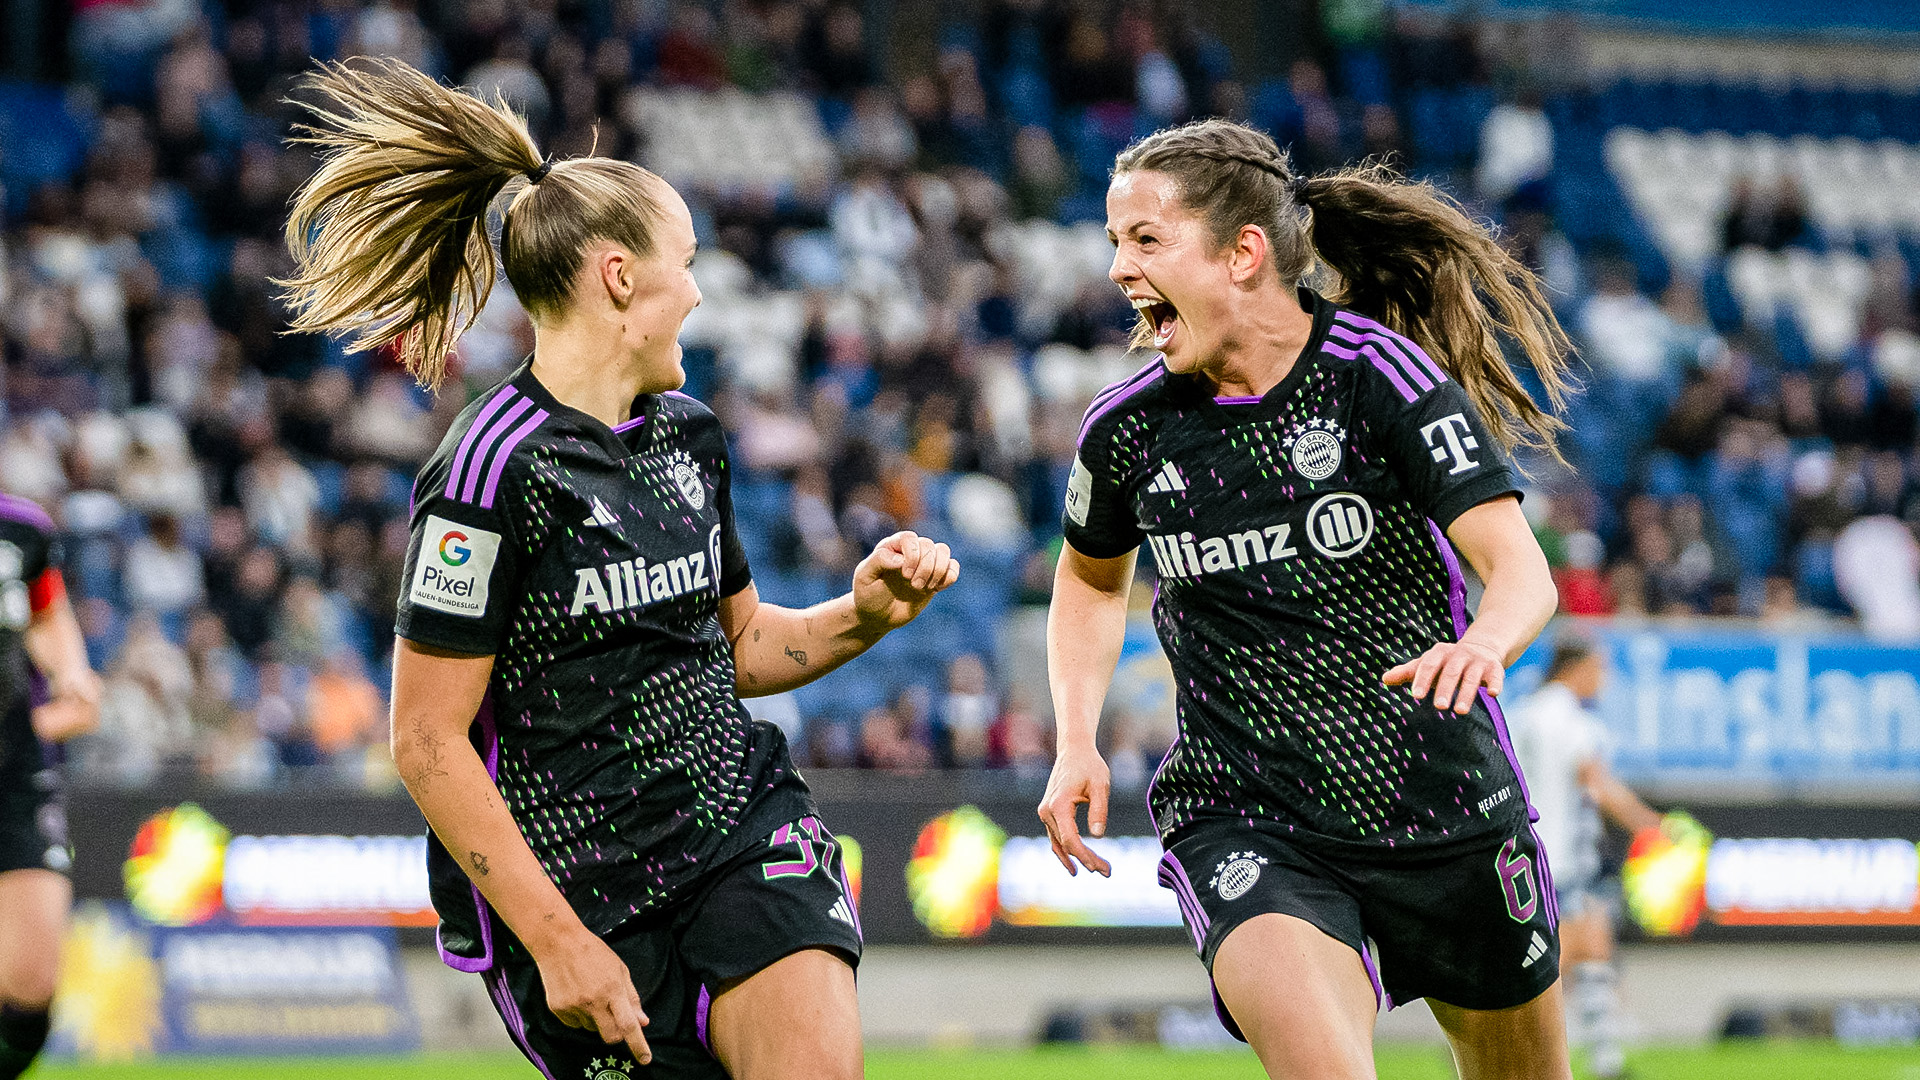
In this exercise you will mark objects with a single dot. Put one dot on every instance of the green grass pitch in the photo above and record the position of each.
(1746, 1062)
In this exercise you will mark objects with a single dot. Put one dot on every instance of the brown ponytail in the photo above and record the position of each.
(1406, 254)
(389, 236)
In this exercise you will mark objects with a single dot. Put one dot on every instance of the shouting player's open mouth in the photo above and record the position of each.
(1159, 316)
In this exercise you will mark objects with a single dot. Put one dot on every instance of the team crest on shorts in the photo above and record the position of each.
(1235, 874)
(686, 477)
(609, 1069)
(1315, 448)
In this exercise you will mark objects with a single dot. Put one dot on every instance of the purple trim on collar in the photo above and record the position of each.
(622, 429)
(1238, 400)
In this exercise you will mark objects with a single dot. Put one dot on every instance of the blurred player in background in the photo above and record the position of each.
(617, 843)
(1563, 749)
(1297, 464)
(48, 694)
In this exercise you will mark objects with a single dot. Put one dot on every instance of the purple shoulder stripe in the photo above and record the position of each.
(1385, 368)
(1381, 344)
(15, 508)
(1108, 391)
(1101, 408)
(505, 452)
(1405, 343)
(470, 490)
(474, 431)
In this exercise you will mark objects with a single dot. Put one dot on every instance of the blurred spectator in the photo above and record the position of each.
(1769, 219)
(346, 712)
(162, 573)
(1876, 563)
(1516, 147)
(966, 712)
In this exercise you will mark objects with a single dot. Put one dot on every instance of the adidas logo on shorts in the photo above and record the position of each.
(1535, 951)
(840, 910)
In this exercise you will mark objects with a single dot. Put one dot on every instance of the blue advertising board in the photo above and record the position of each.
(1728, 705)
(255, 990)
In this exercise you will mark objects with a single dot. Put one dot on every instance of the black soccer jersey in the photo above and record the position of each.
(590, 563)
(29, 580)
(1299, 540)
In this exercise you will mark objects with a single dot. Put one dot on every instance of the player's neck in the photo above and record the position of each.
(585, 375)
(1270, 332)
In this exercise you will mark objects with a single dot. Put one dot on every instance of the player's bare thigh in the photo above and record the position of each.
(796, 1019)
(33, 921)
(1526, 1042)
(1302, 998)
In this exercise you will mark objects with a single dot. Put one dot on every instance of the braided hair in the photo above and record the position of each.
(1404, 253)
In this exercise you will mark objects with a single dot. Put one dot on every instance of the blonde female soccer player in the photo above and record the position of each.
(617, 845)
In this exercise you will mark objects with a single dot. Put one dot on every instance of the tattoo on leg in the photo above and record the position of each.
(799, 655)
(479, 863)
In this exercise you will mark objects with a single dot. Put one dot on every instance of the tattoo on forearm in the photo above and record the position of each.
(799, 655)
(479, 862)
(756, 635)
(427, 764)
(752, 679)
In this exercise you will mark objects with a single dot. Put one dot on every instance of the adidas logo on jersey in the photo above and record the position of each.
(1184, 556)
(601, 516)
(1168, 482)
(840, 910)
(619, 586)
(1535, 951)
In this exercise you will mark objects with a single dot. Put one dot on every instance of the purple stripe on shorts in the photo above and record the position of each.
(509, 1011)
(474, 431)
(1457, 604)
(1384, 346)
(1551, 895)
(1174, 876)
(853, 905)
(506, 451)
(1392, 373)
(702, 1010)
(1381, 999)
(1100, 409)
(478, 461)
(1374, 326)
(15, 508)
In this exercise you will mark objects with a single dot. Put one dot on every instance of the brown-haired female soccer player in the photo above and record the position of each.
(617, 844)
(1344, 822)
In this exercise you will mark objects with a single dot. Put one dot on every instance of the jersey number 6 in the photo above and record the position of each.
(1516, 881)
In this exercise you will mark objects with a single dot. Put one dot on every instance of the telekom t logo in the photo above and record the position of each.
(1450, 437)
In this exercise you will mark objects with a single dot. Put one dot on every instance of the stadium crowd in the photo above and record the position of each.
(234, 500)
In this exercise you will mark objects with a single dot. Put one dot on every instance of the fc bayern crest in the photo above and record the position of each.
(686, 477)
(1315, 447)
(1237, 873)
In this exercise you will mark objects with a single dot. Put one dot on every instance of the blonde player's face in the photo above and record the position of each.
(1166, 261)
(667, 295)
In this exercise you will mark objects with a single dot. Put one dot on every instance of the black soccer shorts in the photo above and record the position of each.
(1475, 928)
(771, 901)
(33, 824)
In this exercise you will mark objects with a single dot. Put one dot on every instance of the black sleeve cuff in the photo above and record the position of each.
(1481, 489)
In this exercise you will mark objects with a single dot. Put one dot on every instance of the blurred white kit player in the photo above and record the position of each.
(1563, 750)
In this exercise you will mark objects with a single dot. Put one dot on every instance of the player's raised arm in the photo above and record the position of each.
(1086, 626)
(777, 648)
(58, 651)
